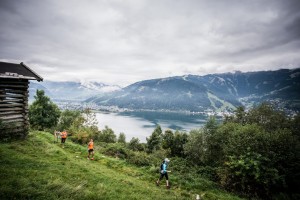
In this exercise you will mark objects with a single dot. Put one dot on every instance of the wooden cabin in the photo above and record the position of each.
(14, 84)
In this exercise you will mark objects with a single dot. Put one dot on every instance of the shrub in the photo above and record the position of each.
(135, 145)
(139, 159)
(116, 150)
(250, 174)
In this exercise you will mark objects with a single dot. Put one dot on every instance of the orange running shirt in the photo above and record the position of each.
(91, 145)
(64, 134)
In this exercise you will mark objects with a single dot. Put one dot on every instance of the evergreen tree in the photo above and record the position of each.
(122, 138)
(135, 145)
(107, 135)
(67, 118)
(43, 113)
(154, 141)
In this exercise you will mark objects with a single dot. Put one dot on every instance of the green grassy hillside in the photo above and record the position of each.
(38, 168)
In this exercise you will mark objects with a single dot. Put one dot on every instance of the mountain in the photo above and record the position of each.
(217, 92)
(70, 90)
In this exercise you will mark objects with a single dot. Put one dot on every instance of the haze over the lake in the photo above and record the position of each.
(121, 42)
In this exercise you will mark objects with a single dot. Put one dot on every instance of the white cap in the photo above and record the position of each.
(167, 160)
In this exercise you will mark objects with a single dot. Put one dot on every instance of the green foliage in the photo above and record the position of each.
(67, 119)
(174, 142)
(154, 141)
(250, 173)
(211, 125)
(81, 126)
(295, 125)
(122, 138)
(107, 135)
(264, 138)
(264, 115)
(43, 113)
(196, 147)
(116, 150)
(139, 159)
(135, 145)
(167, 139)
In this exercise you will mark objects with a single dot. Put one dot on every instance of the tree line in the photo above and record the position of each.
(254, 153)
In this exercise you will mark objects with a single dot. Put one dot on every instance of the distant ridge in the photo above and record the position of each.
(215, 92)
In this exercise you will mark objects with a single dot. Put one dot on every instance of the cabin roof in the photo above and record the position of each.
(18, 71)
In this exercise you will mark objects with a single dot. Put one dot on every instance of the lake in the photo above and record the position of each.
(140, 124)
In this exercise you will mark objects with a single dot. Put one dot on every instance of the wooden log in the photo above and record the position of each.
(10, 90)
(13, 82)
(11, 105)
(13, 86)
(16, 91)
(9, 125)
(19, 130)
(11, 100)
(8, 117)
(11, 113)
(10, 109)
(12, 95)
(12, 120)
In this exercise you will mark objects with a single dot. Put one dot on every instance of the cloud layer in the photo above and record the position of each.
(120, 42)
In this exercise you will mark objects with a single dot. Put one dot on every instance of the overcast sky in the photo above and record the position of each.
(124, 41)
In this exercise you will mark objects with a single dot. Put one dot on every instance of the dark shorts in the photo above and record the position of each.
(63, 140)
(162, 175)
(91, 150)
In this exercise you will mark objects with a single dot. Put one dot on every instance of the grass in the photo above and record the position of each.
(38, 168)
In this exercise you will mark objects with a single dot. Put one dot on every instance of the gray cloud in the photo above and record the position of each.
(121, 42)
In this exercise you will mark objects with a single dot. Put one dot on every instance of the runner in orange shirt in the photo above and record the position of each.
(91, 149)
(63, 137)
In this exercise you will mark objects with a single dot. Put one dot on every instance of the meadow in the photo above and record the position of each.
(39, 168)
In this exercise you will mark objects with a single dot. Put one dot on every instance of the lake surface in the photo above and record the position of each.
(141, 124)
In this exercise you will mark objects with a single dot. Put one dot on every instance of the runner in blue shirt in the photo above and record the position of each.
(164, 172)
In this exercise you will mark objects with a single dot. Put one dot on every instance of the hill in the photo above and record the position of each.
(38, 168)
(217, 92)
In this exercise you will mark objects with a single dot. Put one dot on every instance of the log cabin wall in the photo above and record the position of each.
(14, 107)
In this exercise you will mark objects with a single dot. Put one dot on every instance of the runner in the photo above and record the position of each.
(91, 149)
(164, 172)
(63, 137)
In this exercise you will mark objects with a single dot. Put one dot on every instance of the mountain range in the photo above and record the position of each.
(194, 93)
(216, 92)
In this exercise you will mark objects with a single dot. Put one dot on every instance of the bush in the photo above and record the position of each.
(135, 145)
(250, 174)
(107, 135)
(139, 159)
(116, 150)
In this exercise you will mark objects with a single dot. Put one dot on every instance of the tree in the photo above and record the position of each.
(135, 145)
(122, 138)
(211, 125)
(107, 135)
(43, 113)
(167, 139)
(154, 141)
(267, 117)
(180, 139)
(67, 118)
(196, 146)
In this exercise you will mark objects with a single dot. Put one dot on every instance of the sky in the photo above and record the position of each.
(124, 41)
